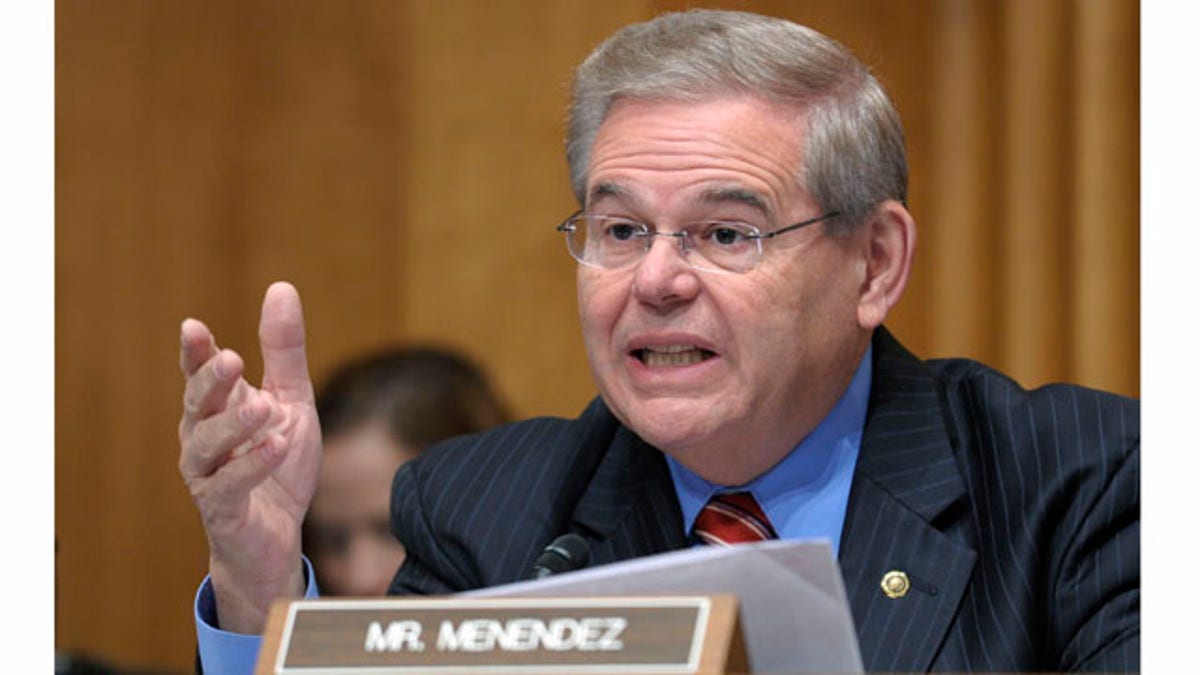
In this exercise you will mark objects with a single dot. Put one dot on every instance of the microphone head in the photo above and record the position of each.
(567, 553)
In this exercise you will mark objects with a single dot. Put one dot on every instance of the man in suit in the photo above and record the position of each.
(742, 236)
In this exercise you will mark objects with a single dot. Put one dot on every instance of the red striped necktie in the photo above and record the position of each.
(732, 518)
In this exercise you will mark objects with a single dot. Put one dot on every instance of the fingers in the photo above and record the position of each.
(222, 495)
(281, 334)
(196, 345)
(212, 440)
(210, 386)
(231, 433)
(220, 412)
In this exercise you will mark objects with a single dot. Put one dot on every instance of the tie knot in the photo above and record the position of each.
(732, 518)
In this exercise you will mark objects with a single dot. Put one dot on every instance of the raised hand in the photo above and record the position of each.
(250, 459)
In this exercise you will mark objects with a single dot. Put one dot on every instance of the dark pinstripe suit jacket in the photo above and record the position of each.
(1014, 513)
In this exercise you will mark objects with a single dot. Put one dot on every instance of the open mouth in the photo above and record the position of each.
(663, 356)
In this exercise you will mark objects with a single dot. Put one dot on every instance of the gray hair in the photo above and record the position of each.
(855, 156)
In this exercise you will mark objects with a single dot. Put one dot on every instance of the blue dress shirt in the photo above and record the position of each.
(805, 495)
(222, 651)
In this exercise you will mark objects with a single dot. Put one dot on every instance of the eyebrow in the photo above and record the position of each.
(607, 190)
(710, 196)
(740, 195)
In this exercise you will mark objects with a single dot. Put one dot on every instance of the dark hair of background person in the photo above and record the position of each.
(424, 394)
(417, 396)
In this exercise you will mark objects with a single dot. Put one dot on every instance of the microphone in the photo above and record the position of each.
(565, 554)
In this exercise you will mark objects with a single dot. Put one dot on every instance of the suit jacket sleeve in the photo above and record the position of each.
(427, 569)
(1096, 594)
(477, 510)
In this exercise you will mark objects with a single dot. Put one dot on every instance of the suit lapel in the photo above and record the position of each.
(629, 508)
(906, 480)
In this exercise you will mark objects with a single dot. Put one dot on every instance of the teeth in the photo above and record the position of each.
(672, 355)
(670, 349)
(681, 359)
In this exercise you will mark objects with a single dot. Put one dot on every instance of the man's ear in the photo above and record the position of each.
(890, 238)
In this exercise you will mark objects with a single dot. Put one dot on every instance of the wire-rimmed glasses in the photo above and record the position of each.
(611, 242)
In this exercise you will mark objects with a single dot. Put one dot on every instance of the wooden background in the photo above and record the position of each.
(401, 163)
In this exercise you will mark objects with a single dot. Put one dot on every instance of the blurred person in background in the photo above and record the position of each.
(377, 412)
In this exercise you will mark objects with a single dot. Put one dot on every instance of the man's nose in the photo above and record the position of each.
(664, 277)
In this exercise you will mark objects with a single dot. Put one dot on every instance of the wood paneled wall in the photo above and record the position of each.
(401, 162)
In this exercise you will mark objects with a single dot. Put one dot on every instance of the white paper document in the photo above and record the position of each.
(794, 614)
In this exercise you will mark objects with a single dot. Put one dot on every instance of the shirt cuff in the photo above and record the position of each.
(225, 652)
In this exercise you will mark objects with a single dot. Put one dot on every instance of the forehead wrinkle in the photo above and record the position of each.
(673, 139)
(705, 149)
(715, 168)
(731, 151)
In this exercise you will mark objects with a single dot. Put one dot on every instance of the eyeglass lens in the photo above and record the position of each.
(613, 243)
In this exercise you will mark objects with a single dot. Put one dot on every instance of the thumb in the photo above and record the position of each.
(281, 335)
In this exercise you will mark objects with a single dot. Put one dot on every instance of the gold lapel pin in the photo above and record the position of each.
(895, 584)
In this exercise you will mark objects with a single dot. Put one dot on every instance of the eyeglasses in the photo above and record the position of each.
(715, 245)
